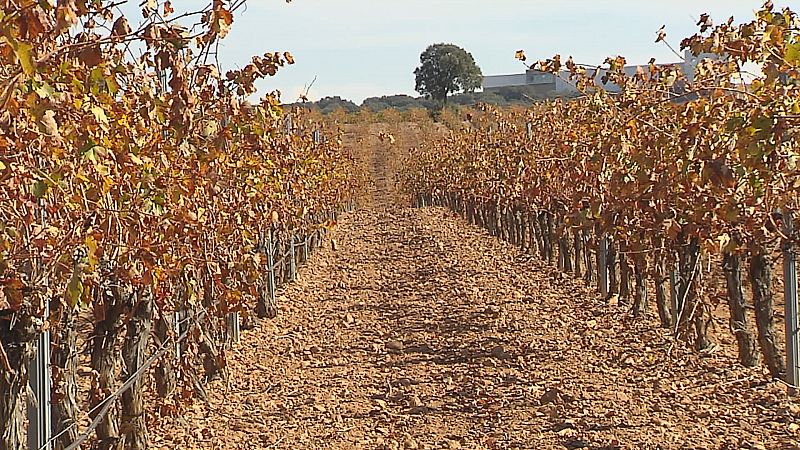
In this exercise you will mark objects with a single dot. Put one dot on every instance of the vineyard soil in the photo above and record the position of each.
(415, 330)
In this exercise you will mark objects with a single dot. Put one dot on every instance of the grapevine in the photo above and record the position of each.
(669, 170)
(139, 188)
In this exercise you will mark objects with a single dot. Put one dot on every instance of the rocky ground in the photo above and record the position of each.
(413, 330)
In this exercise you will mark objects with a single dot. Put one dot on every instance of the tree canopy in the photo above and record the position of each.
(445, 69)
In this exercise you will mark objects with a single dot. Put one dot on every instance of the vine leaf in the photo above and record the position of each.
(74, 290)
(23, 50)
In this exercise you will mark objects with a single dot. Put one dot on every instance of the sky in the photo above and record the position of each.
(364, 48)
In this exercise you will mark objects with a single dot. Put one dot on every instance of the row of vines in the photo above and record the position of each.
(671, 171)
(140, 195)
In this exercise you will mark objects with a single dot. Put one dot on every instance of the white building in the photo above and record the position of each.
(544, 83)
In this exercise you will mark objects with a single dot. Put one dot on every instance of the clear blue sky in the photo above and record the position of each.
(364, 48)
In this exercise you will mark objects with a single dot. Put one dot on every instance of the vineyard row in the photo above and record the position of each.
(649, 179)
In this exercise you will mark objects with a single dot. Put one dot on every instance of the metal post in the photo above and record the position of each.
(271, 264)
(674, 289)
(177, 317)
(233, 327)
(292, 260)
(40, 424)
(602, 269)
(790, 295)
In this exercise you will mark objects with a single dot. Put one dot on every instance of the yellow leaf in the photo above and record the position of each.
(99, 114)
(91, 244)
(793, 54)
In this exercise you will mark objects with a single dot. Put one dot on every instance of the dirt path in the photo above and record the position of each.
(422, 332)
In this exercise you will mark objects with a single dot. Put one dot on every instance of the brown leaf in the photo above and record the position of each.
(48, 123)
(121, 27)
(91, 56)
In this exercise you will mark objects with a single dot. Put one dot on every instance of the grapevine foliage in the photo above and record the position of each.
(715, 157)
(148, 173)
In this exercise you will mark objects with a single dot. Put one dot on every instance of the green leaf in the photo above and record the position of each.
(44, 90)
(793, 54)
(112, 85)
(39, 189)
(74, 290)
(23, 52)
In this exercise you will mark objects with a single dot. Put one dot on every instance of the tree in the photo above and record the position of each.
(444, 69)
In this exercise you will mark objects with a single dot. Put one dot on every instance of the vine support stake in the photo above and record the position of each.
(292, 259)
(271, 264)
(790, 296)
(602, 269)
(233, 327)
(40, 424)
(177, 319)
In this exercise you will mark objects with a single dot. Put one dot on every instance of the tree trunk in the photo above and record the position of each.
(109, 305)
(530, 223)
(624, 273)
(211, 340)
(731, 264)
(567, 251)
(611, 264)
(541, 221)
(64, 361)
(472, 213)
(761, 281)
(692, 310)
(578, 239)
(134, 424)
(588, 244)
(166, 382)
(663, 302)
(508, 225)
(17, 334)
(496, 219)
